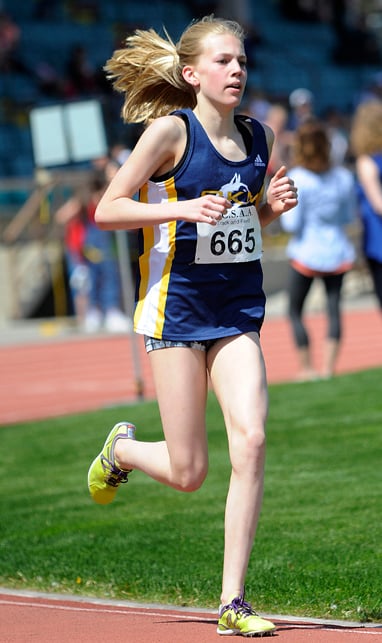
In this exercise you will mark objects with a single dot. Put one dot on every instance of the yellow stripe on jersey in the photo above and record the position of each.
(143, 196)
(171, 231)
(148, 239)
(158, 242)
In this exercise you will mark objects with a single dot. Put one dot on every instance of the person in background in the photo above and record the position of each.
(91, 261)
(302, 107)
(366, 144)
(80, 74)
(11, 59)
(199, 169)
(277, 119)
(337, 126)
(319, 247)
(301, 102)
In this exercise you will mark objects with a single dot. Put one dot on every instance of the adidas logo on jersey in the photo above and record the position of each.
(259, 161)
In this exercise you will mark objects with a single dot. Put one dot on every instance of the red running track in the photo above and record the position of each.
(51, 376)
(25, 618)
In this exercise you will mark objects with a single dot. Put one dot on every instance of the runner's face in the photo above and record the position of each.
(220, 71)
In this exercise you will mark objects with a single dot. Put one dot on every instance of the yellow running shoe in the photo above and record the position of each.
(104, 476)
(238, 618)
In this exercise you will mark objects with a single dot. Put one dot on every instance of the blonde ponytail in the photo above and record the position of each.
(149, 70)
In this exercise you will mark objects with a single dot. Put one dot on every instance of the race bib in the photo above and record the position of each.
(236, 238)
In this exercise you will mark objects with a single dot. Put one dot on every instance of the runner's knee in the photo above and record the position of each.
(191, 477)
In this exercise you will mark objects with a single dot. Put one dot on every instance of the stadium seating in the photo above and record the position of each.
(290, 55)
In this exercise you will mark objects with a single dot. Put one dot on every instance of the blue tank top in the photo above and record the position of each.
(196, 281)
(372, 221)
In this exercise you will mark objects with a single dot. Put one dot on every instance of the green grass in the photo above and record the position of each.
(318, 547)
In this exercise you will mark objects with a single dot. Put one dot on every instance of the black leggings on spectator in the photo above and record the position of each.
(299, 287)
(375, 268)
